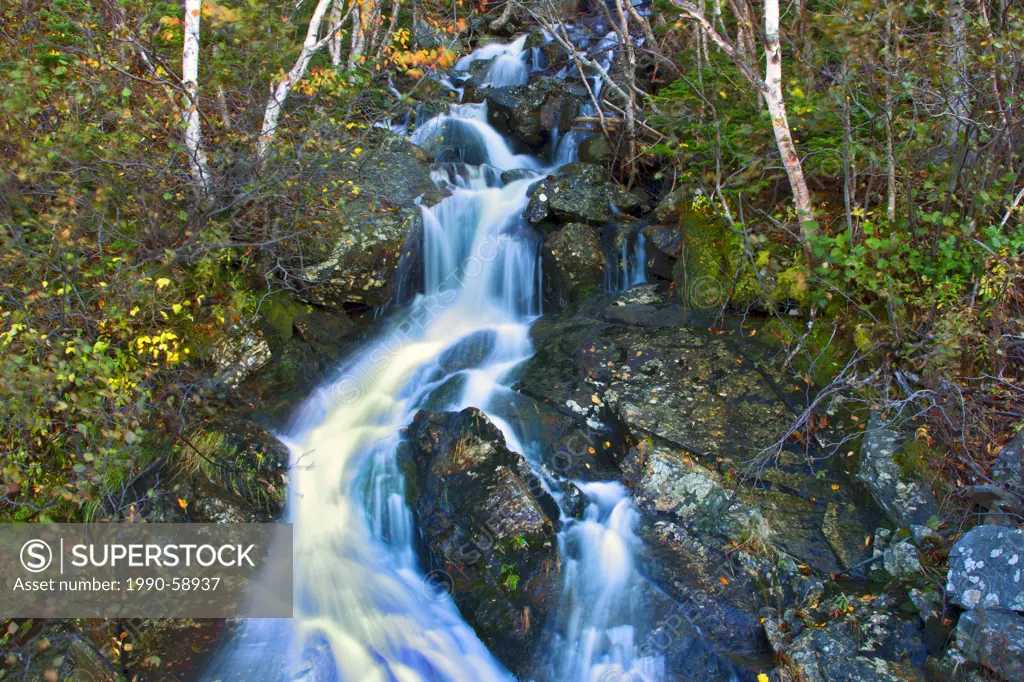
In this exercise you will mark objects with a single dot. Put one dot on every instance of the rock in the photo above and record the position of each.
(994, 640)
(905, 501)
(578, 200)
(240, 463)
(538, 207)
(830, 654)
(374, 229)
(589, 173)
(986, 569)
(901, 559)
(595, 149)
(668, 209)
(321, 329)
(237, 357)
(843, 534)
(692, 571)
(1007, 467)
(668, 480)
(574, 260)
(511, 176)
(486, 522)
(531, 112)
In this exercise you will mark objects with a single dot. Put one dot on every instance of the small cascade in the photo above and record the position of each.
(364, 610)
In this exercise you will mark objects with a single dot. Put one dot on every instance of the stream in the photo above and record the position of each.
(364, 608)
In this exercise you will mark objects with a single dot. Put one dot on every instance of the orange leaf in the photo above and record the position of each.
(723, 580)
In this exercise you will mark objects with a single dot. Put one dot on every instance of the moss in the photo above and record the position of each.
(828, 350)
(706, 274)
(280, 310)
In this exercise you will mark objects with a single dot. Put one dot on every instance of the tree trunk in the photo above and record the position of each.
(310, 47)
(958, 97)
(190, 81)
(780, 125)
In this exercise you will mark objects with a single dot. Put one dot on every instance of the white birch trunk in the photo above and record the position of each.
(335, 43)
(275, 104)
(780, 123)
(190, 81)
(358, 36)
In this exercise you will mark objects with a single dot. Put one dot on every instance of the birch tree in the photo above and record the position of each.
(770, 88)
(190, 82)
(310, 46)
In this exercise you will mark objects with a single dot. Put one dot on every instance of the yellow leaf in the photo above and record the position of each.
(761, 677)
(176, 308)
(162, 282)
(183, 503)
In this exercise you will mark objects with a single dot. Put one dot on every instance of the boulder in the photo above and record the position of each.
(994, 640)
(532, 112)
(574, 261)
(487, 523)
(239, 356)
(577, 199)
(236, 468)
(372, 229)
(832, 654)
(1007, 467)
(714, 593)
(694, 389)
(986, 569)
(669, 481)
(595, 149)
(905, 500)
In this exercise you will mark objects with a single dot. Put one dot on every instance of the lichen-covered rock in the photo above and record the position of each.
(595, 149)
(372, 229)
(995, 640)
(904, 500)
(632, 364)
(539, 207)
(574, 260)
(1007, 469)
(715, 593)
(831, 654)
(669, 481)
(486, 522)
(590, 173)
(240, 355)
(986, 569)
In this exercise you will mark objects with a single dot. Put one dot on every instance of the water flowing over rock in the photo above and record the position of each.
(485, 520)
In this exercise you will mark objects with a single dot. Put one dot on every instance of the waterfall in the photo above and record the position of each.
(364, 610)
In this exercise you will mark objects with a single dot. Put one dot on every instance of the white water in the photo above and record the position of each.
(364, 611)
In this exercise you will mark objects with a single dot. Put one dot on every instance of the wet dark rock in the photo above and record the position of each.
(595, 149)
(531, 112)
(832, 654)
(994, 640)
(372, 229)
(579, 200)
(539, 208)
(574, 260)
(589, 173)
(842, 532)
(713, 592)
(906, 501)
(690, 387)
(511, 176)
(986, 569)
(487, 523)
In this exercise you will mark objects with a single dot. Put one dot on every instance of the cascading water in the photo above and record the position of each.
(363, 609)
